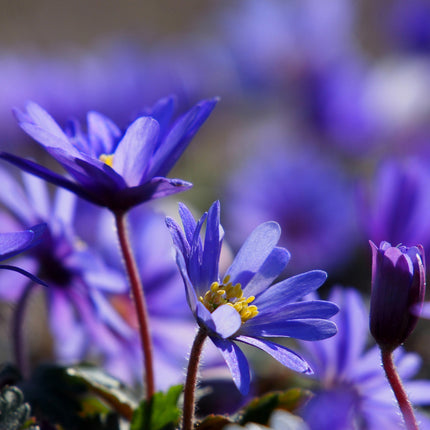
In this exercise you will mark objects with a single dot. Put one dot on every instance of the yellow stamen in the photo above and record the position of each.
(232, 295)
(107, 159)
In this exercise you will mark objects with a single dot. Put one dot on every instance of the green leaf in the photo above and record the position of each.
(108, 388)
(14, 413)
(160, 413)
(259, 409)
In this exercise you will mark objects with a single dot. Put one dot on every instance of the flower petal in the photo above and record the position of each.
(46, 174)
(212, 247)
(133, 153)
(254, 252)
(236, 361)
(102, 133)
(275, 263)
(227, 320)
(306, 329)
(280, 353)
(42, 127)
(179, 137)
(291, 289)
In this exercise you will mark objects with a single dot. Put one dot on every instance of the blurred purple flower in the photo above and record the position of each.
(395, 204)
(353, 391)
(307, 194)
(222, 306)
(80, 317)
(398, 289)
(110, 168)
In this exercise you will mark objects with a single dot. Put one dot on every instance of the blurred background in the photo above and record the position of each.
(323, 121)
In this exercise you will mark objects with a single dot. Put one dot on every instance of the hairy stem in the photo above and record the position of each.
(139, 301)
(191, 381)
(398, 389)
(17, 326)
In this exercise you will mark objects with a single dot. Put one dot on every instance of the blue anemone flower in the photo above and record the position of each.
(110, 168)
(80, 316)
(353, 390)
(222, 305)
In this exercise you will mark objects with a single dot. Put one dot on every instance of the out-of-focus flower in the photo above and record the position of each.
(352, 389)
(222, 305)
(395, 204)
(80, 316)
(398, 288)
(307, 194)
(110, 168)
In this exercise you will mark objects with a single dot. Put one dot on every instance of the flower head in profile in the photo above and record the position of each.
(108, 167)
(352, 390)
(242, 305)
(398, 288)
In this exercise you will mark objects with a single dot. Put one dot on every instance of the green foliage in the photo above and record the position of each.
(160, 413)
(112, 391)
(259, 409)
(214, 422)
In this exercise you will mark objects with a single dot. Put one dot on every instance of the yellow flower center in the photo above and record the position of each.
(107, 159)
(232, 295)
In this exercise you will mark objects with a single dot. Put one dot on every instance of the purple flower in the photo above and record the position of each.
(398, 288)
(306, 193)
(395, 204)
(110, 168)
(352, 390)
(80, 316)
(240, 306)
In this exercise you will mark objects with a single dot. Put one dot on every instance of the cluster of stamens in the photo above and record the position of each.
(107, 159)
(229, 294)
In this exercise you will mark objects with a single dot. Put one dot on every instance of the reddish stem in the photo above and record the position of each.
(191, 381)
(398, 389)
(139, 301)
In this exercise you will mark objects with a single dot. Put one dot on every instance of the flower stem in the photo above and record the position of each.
(398, 389)
(139, 301)
(191, 381)
(17, 324)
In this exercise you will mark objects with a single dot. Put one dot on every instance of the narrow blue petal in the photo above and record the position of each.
(102, 133)
(163, 111)
(254, 252)
(291, 289)
(212, 246)
(14, 243)
(227, 321)
(179, 137)
(133, 153)
(188, 222)
(307, 329)
(204, 317)
(275, 263)
(42, 127)
(280, 353)
(25, 273)
(47, 175)
(189, 288)
(418, 392)
(178, 237)
(317, 309)
(195, 261)
(236, 362)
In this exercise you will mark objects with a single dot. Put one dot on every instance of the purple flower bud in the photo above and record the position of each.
(398, 287)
